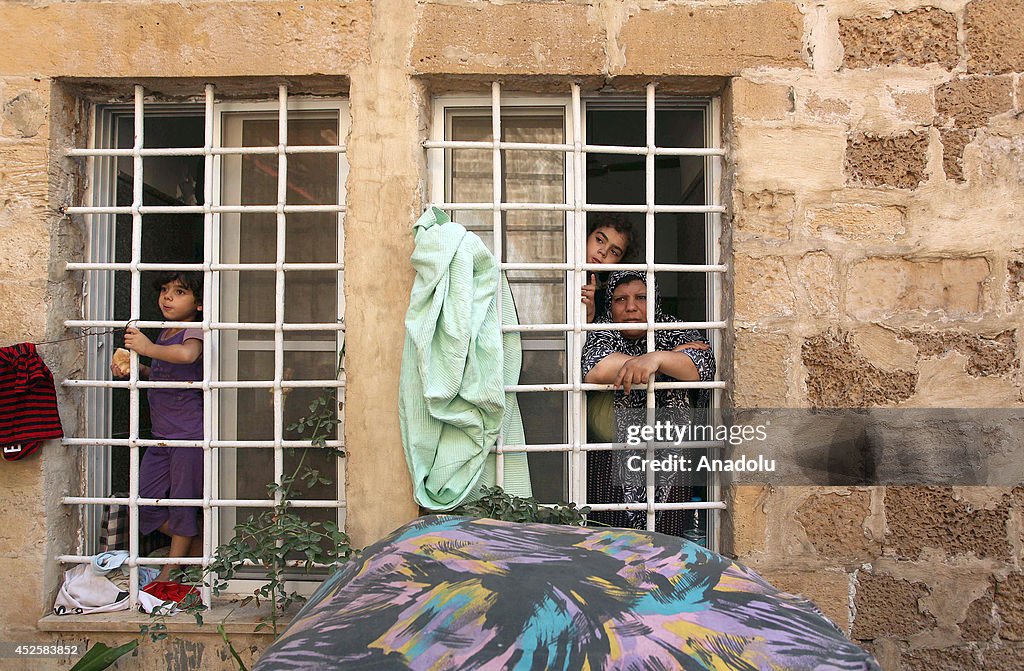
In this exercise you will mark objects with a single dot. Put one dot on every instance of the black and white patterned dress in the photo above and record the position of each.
(608, 478)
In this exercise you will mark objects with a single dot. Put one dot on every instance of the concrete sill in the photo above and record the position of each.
(236, 620)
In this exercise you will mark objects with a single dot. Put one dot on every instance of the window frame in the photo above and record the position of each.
(574, 106)
(98, 287)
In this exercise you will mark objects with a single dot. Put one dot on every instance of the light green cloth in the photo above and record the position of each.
(451, 400)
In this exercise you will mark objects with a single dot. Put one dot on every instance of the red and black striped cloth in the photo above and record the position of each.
(28, 402)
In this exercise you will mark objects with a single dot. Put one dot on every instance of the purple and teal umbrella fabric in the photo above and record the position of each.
(447, 593)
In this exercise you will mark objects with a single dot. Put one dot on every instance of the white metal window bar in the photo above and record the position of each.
(99, 161)
(575, 207)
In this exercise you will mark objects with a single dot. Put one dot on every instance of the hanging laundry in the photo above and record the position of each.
(452, 404)
(28, 402)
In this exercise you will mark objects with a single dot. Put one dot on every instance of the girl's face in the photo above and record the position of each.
(606, 245)
(177, 303)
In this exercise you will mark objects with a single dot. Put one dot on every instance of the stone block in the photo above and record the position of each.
(817, 285)
(760, 101)
(669, 39)
(993, 30)
(1015, 270)
(761, 369)
(943, 382)
(764, 215)
(23, 168)
(762, 287)
(791, 159)
(828, 589)
(987, 355)
(186, 39)
(855, 221)
(969, 102)
(835, 525)
(24, 316)
(521, 38)
(883, 287)
(884, 348)
(978, 624)
(942, 659)
(920, 518)
(829, 110)
(745, 519)
(839, 377)
(1009, 600)
(888, 607)
(998, 162)
(899, 161)
(954, 140)
(21, 535)
(915, 38)
(24, 531)
(21, 604)
(914, 106)
(1003, 658)
(24, 241)
(24, 114)
(886, 651)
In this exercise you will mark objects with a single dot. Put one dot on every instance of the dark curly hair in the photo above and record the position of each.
(188, 279)
(613, 220)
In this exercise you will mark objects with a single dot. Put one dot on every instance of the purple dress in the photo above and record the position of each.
(173, 472)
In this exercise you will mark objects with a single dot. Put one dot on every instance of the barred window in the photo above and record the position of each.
(251, 195)
(526, 173)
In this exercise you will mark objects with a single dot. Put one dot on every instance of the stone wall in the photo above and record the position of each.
(885, 273)
(874, 181)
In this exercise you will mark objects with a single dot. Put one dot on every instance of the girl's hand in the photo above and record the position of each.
(588, 297)
(136, 340)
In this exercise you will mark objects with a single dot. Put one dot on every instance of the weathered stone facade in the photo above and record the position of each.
(875, 184)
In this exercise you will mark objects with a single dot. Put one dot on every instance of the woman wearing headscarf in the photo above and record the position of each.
(621, 358)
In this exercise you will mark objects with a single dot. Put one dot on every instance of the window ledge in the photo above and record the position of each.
(236, 620)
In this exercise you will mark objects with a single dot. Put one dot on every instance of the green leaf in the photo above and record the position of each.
(101, 656)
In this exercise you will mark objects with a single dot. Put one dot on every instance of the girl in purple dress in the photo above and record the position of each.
(176, 414)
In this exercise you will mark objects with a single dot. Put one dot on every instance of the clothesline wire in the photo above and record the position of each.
(87, 333)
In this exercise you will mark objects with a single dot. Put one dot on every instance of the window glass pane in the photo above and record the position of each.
(249, 296)
(532, 237)
(528, 177)
(537, 177)
(310, 237)
(679, 180)
(616, 179)
(166, 238)
(310, 296)
(255, 291)
(471, 171)
(539, 297)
